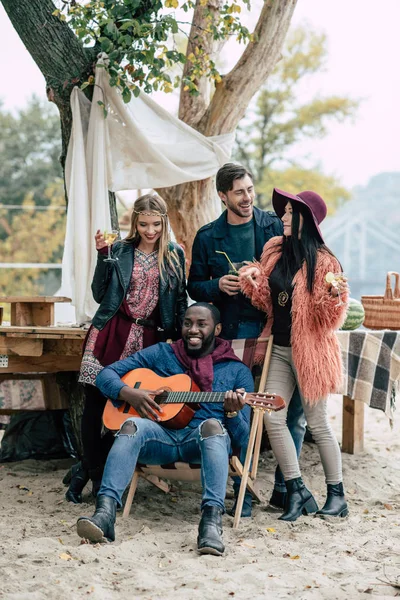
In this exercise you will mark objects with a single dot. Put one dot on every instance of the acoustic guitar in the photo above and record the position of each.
(178, 396)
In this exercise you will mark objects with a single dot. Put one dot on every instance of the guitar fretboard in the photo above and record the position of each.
(184, 397)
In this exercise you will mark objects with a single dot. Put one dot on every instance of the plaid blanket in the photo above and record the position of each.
(372, 367)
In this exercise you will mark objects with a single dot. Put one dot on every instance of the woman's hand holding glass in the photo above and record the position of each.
(249, 273)
(338, 285)
(100, 240)
(105, 240)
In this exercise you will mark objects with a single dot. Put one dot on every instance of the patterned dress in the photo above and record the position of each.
(142, 299)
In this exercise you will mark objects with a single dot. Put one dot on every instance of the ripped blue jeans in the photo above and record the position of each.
(147, 442)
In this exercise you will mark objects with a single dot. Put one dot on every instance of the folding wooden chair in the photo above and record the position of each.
(157, 474)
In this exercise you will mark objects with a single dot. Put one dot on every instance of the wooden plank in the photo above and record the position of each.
(21, 346)
(54, 399)
(43, 314)
(30, 299)
(44, 336)
(21, 314)
(50, 332)
(62, 347)
(352, 426)
(41, 364)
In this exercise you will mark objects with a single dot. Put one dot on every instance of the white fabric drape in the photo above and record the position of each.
(138, 145)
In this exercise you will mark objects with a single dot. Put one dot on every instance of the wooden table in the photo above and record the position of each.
(32, 310)
(39, 353)
(372, 368)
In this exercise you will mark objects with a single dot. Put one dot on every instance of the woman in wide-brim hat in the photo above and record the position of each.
(304, 310)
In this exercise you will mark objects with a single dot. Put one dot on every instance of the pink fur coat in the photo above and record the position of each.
(315, 348)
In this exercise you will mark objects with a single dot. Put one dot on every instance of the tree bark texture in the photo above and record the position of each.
(190, 206)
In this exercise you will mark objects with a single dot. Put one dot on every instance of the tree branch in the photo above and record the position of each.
(234, 93)
(192, 108)
(51, 43)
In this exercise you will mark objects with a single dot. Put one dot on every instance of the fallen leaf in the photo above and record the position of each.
(295, 557)
(366, 511)
(271, 530)
(65, 556)
(388, 506)
(60, 540)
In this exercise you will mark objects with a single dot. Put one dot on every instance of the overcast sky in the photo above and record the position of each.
(364, 52)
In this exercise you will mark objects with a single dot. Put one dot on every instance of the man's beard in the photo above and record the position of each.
(207, 343)
(237, 210)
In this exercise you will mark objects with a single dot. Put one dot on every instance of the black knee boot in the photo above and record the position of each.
(77, 478)
(209, 540)
(335, 505)
(299, 501)
(99, 527)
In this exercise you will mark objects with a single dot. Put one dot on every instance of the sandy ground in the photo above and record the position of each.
(155, 556)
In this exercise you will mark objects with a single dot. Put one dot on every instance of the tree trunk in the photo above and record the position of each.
(190, 206)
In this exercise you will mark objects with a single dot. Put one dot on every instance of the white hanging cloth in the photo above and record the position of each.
(138, 145)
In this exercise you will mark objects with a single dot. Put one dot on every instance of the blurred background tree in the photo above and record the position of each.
(31, 178)
(277, 120)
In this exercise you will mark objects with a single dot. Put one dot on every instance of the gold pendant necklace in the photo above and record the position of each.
(283, 297)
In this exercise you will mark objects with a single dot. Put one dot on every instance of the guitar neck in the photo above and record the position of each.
(197, 397)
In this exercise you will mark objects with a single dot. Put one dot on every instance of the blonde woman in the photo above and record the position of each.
(142, 297)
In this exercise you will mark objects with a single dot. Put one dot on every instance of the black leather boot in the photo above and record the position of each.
(335, 505)
(299, 501)
(278, 499)
(99, 527)
(77, 478)
(247, 502)
(209, 540)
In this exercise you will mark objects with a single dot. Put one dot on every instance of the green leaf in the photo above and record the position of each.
(126, 95)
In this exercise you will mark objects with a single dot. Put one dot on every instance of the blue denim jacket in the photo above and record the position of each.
(160, 358)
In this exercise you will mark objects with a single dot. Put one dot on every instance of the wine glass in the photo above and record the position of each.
(110, 237)
(334, 279)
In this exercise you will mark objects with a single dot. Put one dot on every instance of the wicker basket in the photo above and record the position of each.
(383, 312)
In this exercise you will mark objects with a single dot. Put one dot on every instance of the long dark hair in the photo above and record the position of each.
(296, 251)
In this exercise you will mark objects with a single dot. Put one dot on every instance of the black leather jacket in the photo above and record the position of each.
(208, 267)
(111, 281)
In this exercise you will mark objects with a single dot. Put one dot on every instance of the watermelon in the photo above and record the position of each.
(355, 315)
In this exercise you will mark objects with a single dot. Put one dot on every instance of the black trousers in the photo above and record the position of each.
(95, 446)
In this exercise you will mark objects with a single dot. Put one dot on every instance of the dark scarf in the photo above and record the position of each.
(201, 370)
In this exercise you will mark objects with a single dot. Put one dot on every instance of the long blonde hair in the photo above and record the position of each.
(167, 255)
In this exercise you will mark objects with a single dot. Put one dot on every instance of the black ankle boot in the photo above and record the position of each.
(335, 505)
(99, 527)
(299, 501)
(77, 481)
(278, 499)
(247, 502)
(209, 540)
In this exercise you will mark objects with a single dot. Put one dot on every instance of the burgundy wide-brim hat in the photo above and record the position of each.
(314, 203)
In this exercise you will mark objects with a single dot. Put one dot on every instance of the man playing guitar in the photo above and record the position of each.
(215, 428)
